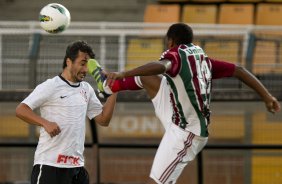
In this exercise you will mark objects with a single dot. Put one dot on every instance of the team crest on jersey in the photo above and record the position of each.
(84, 95)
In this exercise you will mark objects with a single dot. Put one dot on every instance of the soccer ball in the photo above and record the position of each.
(54, 18)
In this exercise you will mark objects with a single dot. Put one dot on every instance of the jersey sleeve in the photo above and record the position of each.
(94, 106)
(173, 56)
(39, 95)
(221, 69)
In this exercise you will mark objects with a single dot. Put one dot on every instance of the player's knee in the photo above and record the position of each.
(151, 84)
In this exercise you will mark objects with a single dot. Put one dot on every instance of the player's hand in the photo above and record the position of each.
(52, 128)
(112, 76)
(272, 105)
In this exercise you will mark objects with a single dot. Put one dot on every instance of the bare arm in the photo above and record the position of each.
(250, 80)
(25, 113)
(152, 68)
(105, 117)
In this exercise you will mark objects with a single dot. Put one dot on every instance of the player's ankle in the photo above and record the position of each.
(107, 89)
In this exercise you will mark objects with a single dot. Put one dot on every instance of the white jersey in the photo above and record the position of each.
(67, 105)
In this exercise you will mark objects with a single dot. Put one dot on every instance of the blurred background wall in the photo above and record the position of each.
(84, 10)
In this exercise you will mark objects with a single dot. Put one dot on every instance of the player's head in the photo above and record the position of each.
(73, 50)
(178, 34)
(75, 61)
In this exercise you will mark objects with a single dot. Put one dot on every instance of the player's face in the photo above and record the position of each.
(78, 69)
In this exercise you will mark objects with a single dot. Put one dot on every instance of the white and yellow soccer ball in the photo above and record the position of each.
(54, 18)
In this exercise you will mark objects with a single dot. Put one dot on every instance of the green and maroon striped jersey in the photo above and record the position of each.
(190, 79)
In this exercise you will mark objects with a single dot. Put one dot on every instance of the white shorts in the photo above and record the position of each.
(162, 105)
(177, 148)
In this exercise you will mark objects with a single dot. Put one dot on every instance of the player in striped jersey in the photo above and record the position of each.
(64, 101)
(182, 98)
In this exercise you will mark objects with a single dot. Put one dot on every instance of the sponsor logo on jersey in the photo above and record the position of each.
(67, 159)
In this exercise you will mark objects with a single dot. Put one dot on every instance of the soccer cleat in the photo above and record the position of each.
(96, 71)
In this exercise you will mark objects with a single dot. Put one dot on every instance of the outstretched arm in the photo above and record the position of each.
(152, 68)
(250, 80)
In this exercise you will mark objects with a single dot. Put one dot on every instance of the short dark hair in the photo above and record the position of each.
(73, 49)
(180, 33)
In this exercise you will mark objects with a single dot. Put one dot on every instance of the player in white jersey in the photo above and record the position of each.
(181, 98)
(64, 101)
